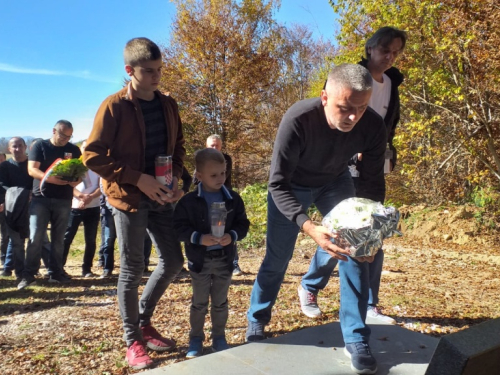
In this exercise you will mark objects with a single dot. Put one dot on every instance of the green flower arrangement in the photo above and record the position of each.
(70, 169)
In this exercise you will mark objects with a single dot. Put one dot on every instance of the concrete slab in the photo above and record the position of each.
(313, 351)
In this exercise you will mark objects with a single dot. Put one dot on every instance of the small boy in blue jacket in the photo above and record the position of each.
(210, 258)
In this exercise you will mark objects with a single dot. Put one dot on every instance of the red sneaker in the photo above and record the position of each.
(137, 357)
(155, 341)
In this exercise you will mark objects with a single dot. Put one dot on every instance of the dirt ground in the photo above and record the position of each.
(440, 277)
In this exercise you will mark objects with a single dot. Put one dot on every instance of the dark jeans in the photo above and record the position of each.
(210, 285)
(131, 229)
(90, 219)
(148, 245)
(4, 240)
(236, 257)
(108, 238)
(42, 212)
(46, 251)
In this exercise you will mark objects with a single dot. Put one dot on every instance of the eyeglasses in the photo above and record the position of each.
(64, 136)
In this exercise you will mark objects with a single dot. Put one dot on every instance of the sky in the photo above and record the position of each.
(60, 59)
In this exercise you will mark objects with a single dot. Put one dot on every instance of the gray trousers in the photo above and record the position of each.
(212, 282)
(130, 230)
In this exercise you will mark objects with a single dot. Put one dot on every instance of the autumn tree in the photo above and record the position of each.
(449, 134)
(234, 71)
(302, 60)
(218, 66)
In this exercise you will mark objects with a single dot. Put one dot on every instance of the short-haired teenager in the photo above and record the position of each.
(210, 258)
(130, 129)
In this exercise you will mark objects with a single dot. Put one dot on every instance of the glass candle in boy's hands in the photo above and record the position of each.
(218, 214)
(218, 230)
(163, 170)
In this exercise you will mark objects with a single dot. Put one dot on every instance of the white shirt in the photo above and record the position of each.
(381, 95)
(89, 184)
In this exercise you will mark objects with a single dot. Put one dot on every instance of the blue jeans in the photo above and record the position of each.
(281, 238)
(108, 238)
(90, 219)
(322, 266)
(131, 229)
(42, 212)
(14, 259)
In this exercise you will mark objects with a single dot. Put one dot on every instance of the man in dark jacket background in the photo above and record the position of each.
(4, 237)
(14, 174)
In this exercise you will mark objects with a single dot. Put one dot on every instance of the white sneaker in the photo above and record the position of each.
(373, 316)
(237, 270)
(308, 303)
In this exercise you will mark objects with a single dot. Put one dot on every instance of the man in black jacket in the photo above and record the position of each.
(4, 237)
(315, 140)
(14, 173)
(382, 50)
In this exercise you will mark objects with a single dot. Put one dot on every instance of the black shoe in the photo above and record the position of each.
(66, 275)
(59, 279)
(88, 275)
(362, 361)
(255, 332)
(6, 273)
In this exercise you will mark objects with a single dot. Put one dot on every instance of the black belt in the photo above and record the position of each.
(216, 253)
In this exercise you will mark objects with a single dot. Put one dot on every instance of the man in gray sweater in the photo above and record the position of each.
(315, 140)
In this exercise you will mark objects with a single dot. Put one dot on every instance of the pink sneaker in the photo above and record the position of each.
(155, 341)
(137, 357)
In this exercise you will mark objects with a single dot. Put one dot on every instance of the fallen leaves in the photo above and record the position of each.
(77, 329)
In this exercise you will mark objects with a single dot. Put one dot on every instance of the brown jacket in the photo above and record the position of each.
(115, 147)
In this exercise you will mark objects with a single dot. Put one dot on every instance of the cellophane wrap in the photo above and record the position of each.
(363, 223)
